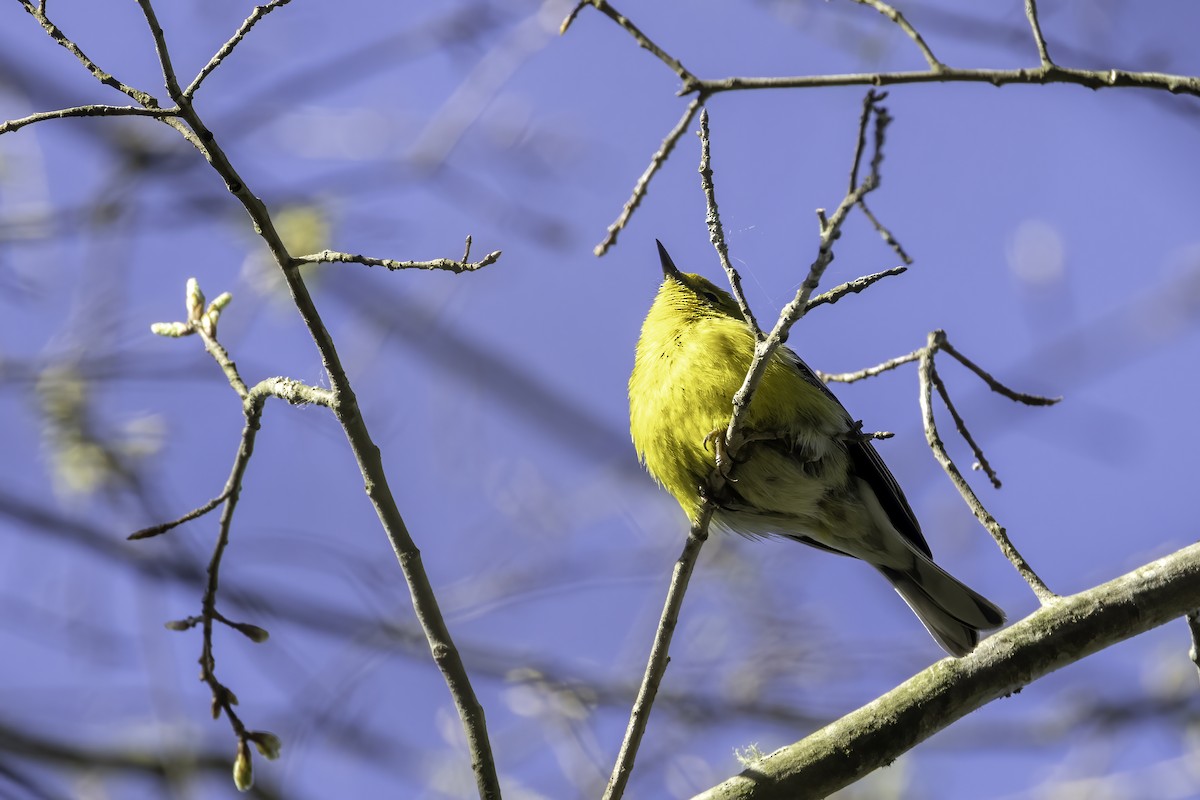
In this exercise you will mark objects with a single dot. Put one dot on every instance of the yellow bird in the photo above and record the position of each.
(806, 472)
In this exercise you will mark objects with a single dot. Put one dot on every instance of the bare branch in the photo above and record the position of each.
(1056, 635)
(227, 48)
(831, 228)
(1090, 79)
(689, 80)
(725, 445)
(643, 183)
(39, 13)
(196, 513)
(716, 233)
(980, 461)
(574, 12)
(86, 111)
(331, 256)
(898, 18)
(659, 653)
(888, 238)
(1040, 40)
(928, 377)
(160, 47)
(870, 372)
(993, 384)
(852, 287)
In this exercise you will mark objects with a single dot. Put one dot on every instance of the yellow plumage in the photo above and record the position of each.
(805, 474)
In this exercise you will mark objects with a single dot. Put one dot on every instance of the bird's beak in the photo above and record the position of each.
(668, 266)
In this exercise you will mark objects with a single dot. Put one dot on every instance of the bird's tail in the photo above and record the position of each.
(951, 611)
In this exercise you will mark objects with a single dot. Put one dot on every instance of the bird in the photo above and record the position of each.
(805, 471)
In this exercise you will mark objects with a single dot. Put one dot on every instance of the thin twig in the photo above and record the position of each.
(643, 182)
(993, 384)
(898, 18)
(85, 111)
(929, 379)
(155, 530)
(869, 372)
(855, 286)
(221, 356)
(160, 48)
(689, 80)
(344, 404)
(202, 320)
(980, 461)
(286, 389)
(227, 48)
(860, 142)
(340, 399)
(726, 447)
(831, 228)
(223, 699)
(716, 232)
(888, 238)
(1040, 40)
(933, 439)
(574, 12)
(39, 13)
(450, 265)
(659, 653)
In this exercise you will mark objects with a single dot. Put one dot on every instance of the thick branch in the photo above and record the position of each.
(1060, 633)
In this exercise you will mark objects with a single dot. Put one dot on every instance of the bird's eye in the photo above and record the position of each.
(711, 297)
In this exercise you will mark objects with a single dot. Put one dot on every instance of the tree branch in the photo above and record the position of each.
(643, 182)
(85, 111)
(716, 232)
(1037, 76)
(726, 444)
(450, 265)
(227, 48)
(1058, 634)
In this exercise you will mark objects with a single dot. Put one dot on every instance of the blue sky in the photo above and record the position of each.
(1054, 237)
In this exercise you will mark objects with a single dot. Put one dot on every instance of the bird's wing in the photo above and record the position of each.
(868, 466)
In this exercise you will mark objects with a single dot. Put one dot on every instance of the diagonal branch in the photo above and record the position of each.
(852, 287)
(928, 378)
(341, 400)
(1040, 40)
(643, 182)
(830, 229)
(689, 80)
(227, 48)
(726, 447)
(1056, 635)
(367, 454)
(55, 33)
(898, 18)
